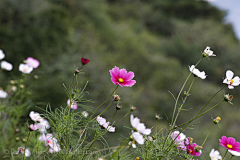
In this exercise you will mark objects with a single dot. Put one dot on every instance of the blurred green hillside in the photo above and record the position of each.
(157, 40)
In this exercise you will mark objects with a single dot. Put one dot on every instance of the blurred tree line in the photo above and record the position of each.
(157, 40)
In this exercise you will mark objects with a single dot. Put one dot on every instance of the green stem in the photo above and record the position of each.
(104, 101)
(225, 154)
(175, 106)
(176, 102)
(29, 136)
(123, 117)
(191, 121)
(231, 157)
(197, 116)
(156, 127)
(119, 148)
(208, 134)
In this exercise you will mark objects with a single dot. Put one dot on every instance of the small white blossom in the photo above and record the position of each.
(43, 126)
(6, 65)
(85, 114)
(102, 122)
(138, 137)
(24, 68)
(35, 116)
(2, 55)
(22, 150)
(207, 52)
(3, 94)
(51, 142)
(230, 80)
(215, 155)
(140, 127)
(196, 72)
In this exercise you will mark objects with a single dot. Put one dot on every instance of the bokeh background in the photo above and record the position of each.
(157, 40)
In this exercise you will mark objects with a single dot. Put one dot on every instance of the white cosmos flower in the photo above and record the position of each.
(207, 52)
(196, 72)
(234, 153)
(230, 80)
(35, 116)
(215, 155)
(140, 127)
(138, 137)
(6, 65)
(85, 114)
(43, 126)
(24, 68)
(22, 150)
(2, 55)
(103, 122)
(3, 94)
(51, 142)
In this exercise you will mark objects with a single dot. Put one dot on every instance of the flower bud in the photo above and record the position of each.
(76, 72)
(216, 120)
(157, 117)
(118, 107)
(35, 76)
(133, 108)
(116, 97)
(228, 98)
(137, 158)
(198, 148)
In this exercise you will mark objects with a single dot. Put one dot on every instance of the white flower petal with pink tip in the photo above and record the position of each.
(34, 63)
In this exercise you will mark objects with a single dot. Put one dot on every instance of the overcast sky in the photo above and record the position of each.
(233, 8)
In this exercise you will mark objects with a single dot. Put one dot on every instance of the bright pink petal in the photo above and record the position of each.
(129, 83)
(231, 140)
(114, 81)
(115, 73)
(123, 73)
(129, 76)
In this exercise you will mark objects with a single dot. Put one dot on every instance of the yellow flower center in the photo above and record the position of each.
(213, 157)
(49, 142)
(25, 69)
(137, 158)
(231, 81)
(229, 145)
(120, 80)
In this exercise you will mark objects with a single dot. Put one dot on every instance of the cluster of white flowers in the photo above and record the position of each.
(22, 150)
(41, 124)
(103, 122)
(4, 64)
(138, 130)
(31, 63)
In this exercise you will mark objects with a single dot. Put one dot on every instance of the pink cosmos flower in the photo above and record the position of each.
(230, 143)
(33, 127)
(84, 61)
(122, 77)
(193, 150)
(34, 63)
(73, 104)
(179, 140)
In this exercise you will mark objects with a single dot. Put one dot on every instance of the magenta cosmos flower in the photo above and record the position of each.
(192, 149)
(84, 61)
(122, 77)
(230, 143)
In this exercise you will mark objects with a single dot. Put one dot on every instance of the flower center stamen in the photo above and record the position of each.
(120, 80)
(231, 81)
(229, 145)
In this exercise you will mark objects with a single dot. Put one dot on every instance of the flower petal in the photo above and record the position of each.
(229, 74)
